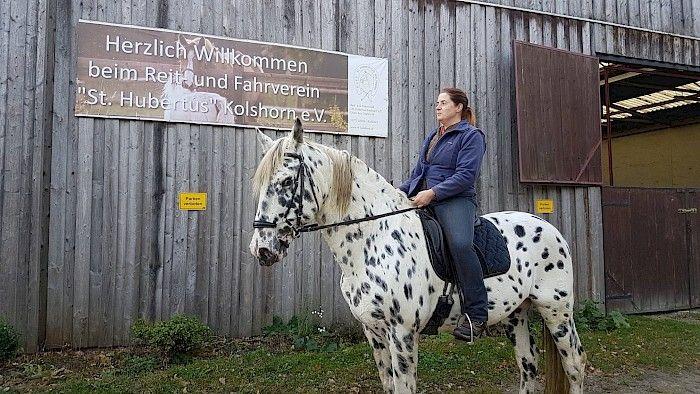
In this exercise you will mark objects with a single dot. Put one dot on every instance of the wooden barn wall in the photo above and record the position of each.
(670, 16)
(118, 249)
(25, 136)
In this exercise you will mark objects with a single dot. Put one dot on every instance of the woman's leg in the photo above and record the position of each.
(456, 216)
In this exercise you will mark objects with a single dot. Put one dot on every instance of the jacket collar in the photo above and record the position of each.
(462, 125)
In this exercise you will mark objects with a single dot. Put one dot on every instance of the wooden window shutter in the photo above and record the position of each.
(558, 112)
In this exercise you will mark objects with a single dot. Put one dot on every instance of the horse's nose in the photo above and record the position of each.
(266, 256)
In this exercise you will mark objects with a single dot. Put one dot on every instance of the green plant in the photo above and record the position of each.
(138, 364)
(174, 338)
(9, 341)
(306, 332)
(589, 317)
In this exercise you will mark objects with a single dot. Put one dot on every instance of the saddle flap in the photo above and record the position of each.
(489, 246)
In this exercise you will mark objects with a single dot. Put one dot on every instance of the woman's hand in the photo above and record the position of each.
(423, 198)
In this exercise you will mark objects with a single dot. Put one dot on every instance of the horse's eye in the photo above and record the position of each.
(287, 182)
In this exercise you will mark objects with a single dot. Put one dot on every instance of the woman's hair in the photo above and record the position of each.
(459, 97)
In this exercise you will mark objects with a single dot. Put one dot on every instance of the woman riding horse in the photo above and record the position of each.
(444, 177)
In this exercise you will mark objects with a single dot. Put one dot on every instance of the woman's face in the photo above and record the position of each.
(446, 110)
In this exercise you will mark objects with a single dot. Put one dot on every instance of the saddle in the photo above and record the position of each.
(489, 246)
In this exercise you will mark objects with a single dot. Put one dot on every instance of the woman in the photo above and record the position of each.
(445, 177)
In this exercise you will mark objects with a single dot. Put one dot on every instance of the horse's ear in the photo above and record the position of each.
(191, 41)
(264, 140)
(298, 131)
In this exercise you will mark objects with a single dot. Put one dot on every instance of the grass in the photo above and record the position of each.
(271, 365)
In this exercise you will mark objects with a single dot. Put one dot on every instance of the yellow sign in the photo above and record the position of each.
(544, 206)
(193, 201)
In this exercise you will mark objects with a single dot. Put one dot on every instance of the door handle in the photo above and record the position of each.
(687, 210)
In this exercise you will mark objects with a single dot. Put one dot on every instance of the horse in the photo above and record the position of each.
(186, 103)
(387, 278)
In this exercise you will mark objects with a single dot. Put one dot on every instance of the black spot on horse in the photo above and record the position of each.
(364, 287)
(403, 364)
(408, 291)
(561, 332)
(562, 252)
(388, 249)
(519, 231)
(377, 345)
(408, 342)
(549, 267)
(378, 314)
(518, 245)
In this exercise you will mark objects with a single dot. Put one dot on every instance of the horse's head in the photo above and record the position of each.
(295, 181)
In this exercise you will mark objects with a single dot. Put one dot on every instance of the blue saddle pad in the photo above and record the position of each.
(488, 244)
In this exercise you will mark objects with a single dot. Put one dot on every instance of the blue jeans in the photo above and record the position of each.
(456, 216)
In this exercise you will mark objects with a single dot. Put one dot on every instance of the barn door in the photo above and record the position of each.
(692, 214)
(648, 240)
(558, 111)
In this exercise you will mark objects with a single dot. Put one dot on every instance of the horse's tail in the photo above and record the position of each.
(554, 375)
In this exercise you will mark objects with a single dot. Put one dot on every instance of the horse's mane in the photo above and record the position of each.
(341, 162)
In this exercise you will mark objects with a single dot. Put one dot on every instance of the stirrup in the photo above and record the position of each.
(471, 330)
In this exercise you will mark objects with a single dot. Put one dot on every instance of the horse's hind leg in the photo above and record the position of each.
(518, 331)
(403, 343)
(382, 357)
(573, 358)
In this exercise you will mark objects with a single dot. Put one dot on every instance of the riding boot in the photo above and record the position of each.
(469, 330)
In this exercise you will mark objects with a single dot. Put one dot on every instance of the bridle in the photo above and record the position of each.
(298, 193)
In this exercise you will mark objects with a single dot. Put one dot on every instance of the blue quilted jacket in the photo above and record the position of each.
(454, 163)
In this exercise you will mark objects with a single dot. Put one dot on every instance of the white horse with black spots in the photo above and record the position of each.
(387, 279)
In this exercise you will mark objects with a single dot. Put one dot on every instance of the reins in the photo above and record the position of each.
(298, 190)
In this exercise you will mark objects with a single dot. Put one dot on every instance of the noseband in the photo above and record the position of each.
(297, 193)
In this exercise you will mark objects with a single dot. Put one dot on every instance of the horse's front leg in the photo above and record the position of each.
(403, 344)
(382, 357)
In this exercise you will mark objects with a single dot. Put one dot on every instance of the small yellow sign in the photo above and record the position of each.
(193, 201)
(544, 206)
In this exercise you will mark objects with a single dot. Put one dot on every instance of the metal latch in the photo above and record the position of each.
(687, 210)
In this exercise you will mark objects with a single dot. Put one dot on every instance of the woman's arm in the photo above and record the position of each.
(416, 170)
(469, 160)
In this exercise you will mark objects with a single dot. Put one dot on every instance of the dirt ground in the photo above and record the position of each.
(648, 382)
